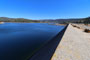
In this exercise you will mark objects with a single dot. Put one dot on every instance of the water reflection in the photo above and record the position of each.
(19, 40)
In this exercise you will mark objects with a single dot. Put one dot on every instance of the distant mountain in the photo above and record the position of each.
(66, 21)
(61, 21)
(6, 19)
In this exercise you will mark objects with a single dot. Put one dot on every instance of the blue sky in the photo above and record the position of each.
(44, 9)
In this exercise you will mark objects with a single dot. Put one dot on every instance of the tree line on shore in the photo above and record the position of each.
(66, 21)
(60, 21)
(5, 19)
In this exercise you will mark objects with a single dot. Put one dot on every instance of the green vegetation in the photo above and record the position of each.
(60, 21)
(87, 21)
(66, 21)
(5, 19)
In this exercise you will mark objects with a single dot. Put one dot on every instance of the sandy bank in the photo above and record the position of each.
(1, 22)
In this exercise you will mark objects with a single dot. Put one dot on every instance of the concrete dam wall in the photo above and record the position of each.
(70, 44)
(47, 51)
(75, 45)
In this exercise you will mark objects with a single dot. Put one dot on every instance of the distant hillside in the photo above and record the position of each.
(61, 21)
(66, 21)
(5, 19)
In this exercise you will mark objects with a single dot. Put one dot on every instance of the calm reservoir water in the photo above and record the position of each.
(18, 41)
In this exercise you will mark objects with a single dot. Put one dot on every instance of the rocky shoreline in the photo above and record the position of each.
(1, 22)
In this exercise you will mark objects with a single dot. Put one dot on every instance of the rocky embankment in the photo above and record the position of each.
(85, 28)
